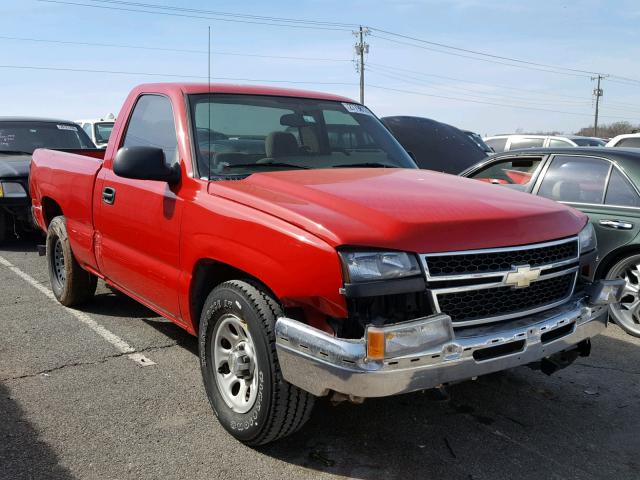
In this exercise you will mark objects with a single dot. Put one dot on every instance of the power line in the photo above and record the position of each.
(172, 75)
(486, 103)
(484, 54)
(326, 25)
(487, 60)
(176, 50)
(187, 15)
(421, 82)
(444, 77)
(240, 15)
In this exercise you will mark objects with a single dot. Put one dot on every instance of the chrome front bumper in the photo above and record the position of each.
(319, 363)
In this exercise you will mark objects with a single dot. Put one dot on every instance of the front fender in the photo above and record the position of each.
(299, 268)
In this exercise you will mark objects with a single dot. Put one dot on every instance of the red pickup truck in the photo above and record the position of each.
(293, 235)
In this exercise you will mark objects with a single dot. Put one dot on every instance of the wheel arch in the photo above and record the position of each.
(50, 210)
(209, 273)
(614, 257)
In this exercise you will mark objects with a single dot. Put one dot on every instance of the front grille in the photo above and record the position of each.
(500, 260)
(477, 287)
(494, 302)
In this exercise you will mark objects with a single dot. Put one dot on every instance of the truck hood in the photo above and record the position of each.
(403, 209)
(14, 165)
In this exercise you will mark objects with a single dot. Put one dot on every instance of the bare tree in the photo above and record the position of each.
(610, 130)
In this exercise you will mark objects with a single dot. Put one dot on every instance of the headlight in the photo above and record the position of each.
(587, 239)
(370, 266)
(12, 190)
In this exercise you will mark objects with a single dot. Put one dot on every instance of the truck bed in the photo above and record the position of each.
(69, 178)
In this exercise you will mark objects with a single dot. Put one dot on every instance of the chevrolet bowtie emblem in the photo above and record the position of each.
(522, 276)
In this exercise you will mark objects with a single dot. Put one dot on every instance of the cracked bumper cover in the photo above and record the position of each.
(319, 363)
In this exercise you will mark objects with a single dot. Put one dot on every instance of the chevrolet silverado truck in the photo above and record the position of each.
(295, 237)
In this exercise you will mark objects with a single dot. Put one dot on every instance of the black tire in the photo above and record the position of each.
(71, 284)
(626, 319)
(280, 408)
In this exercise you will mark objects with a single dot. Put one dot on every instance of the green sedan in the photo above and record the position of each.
(601, 182)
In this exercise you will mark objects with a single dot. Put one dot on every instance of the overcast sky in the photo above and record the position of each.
(592, 35)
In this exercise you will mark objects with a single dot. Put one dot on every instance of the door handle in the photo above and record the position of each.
(108, 195)
(617, 224)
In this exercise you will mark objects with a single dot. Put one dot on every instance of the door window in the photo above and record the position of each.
(557, 143)
(575, 179)
(620, 191)
(512, 171)
(630, 142)
(498, 144)
(526, 143)
(151, 125)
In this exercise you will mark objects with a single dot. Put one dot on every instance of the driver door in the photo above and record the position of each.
(138, 221)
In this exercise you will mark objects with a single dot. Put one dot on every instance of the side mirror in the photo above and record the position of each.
(145, 163)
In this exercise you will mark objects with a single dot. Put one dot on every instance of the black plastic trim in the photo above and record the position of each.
(384, 287)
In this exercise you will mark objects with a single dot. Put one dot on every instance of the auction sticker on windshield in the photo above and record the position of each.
(356, 108)
(67, 127)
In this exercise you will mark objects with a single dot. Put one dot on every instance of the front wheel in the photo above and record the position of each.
(627, 313)
(71, 284)
(240, 367)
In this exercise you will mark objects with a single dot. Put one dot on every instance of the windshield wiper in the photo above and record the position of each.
(268, 164)
(365, 165)
(15, 152)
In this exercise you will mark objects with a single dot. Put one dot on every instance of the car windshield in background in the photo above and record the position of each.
(103, 131)
(26, 136)
(244, 134)
(589, 142)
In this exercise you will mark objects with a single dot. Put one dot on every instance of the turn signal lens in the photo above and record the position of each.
(1, 191)
(375, 344)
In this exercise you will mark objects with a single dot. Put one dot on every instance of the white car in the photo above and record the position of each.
(99, 129)
(503, 143)
(629, 140)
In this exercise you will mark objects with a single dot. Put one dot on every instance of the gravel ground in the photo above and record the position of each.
(74, 407)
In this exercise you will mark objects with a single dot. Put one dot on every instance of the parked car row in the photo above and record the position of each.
(504, 143)
(297, 239)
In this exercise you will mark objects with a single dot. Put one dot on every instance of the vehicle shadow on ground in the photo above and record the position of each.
(580, 423)
(20, 446)
(24, 244)
(112, 303)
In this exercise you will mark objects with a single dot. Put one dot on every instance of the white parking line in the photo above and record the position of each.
(113, 339)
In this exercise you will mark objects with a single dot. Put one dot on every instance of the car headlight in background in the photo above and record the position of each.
(587, 239)
(12, 190)
(371, 266)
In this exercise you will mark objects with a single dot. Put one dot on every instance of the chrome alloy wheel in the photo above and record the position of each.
(235, 364)
(627, 312)
(58, 262)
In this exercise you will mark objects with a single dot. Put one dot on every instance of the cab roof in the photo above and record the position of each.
(195, 88)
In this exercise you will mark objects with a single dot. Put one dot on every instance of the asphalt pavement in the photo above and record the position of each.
(76, 404)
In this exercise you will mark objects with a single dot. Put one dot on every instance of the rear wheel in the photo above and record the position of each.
(627, 313)
(71, 284)
(240, 366)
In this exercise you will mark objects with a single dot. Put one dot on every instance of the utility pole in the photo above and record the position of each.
(597, 92)
(361, 49)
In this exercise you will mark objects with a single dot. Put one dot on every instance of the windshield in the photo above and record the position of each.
(244, 134)
(589, 142)
(27, 136)
(102, 131)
